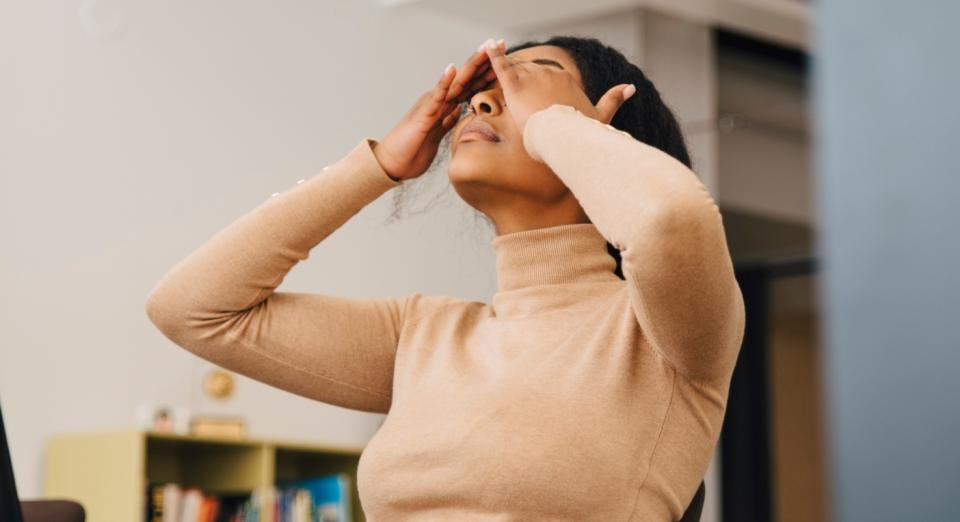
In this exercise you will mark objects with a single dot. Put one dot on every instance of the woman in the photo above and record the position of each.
(594, 385)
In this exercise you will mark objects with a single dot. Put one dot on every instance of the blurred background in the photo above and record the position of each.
(132, 131)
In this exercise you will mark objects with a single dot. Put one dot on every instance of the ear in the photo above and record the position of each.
(613, 99)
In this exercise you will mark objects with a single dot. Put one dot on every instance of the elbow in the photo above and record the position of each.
(163, 311)
(172, 318)
(171, 312)
(177, 317)
(732, 333)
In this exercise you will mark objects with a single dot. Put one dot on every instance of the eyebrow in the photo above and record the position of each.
(547, 61)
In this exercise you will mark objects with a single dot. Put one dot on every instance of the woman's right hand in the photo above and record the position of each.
(408, 150)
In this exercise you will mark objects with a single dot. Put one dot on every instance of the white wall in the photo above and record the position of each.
(133, 131)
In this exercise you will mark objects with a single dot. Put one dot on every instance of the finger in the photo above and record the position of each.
(483, 75)
(449, 121)
(479, 84)
(466, 73)
(436, 102)
(447, 112)
(488, 76)
(467, 90)
(449, 107)
(442, 126)
(476, 86)
(477, 62)
(477, 65)
(612, 100)
(480, 74)
(502, 66)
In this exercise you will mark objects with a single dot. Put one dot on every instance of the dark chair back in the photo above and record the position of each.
(52, 511)
(695, 509)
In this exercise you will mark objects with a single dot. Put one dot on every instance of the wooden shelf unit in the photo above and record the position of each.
(108, 472)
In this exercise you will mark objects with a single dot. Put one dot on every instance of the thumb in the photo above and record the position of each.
(613, 99)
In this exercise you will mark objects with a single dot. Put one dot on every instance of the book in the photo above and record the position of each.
(169, 501)
(324, 498)
(172, 502)
(208, 509)
(190, 508)
(154, 503)
(329, 497)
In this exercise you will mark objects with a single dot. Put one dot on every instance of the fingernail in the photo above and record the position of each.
(500, 41)
(490, 44)
(629, 91)
(447, 68)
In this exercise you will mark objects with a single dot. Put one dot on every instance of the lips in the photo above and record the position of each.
(479, 130)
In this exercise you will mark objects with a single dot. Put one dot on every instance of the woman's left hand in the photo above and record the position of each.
(529, 87)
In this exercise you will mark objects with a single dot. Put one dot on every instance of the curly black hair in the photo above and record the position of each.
(644, 115)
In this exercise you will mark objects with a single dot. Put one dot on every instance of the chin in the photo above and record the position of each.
(472, 163)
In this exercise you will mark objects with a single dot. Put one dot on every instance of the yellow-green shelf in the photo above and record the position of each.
(108, 472)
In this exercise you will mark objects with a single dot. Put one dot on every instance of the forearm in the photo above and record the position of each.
(242, 264)
(667, 227)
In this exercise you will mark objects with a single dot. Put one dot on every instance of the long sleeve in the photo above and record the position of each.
(220, 301)
(669, 231)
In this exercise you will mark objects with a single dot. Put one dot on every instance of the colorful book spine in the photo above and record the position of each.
(325, 498)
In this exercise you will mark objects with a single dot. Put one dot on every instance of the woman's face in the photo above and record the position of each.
(491, 174)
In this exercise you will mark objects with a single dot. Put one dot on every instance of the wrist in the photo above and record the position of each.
(379, 157)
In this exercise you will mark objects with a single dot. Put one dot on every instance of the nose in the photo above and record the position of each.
(486, 102)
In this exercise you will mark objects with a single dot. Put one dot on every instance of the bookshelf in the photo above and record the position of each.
(108, 472)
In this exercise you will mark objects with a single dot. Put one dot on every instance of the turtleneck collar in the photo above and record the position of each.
(529, 261)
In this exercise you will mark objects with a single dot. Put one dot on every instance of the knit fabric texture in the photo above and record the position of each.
(573, 396)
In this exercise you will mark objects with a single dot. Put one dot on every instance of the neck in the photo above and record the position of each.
(539, 269)
(514, 222)
(513, 212)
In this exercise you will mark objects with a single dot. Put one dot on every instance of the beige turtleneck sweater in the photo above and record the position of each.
(575, 395)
